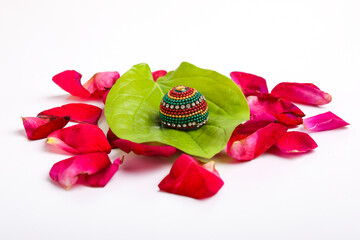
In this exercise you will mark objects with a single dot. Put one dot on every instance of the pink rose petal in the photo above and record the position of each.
(245, 146)
(188, 177)
(78, 112)
(272, 105)
(67, 172)
(159, 73)
(144, 149)
(70, 81)
(295, 142)
(100, 179)
(38, 128)
(323, 122)
(306, 93)
(80, 138)
(100, 83)
(250, 84)
(262, 117)
(284, 111)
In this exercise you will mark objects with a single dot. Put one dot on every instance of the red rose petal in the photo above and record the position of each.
(295, 142)
(159, 73)
(70, 81)
(288, 119)
(101, 82)
(139, 148)
(306, 93)
(188, 178)
(111, 137)
(105, 96)
(78, 112)
(251, 126)
(100, 179)
(66, 172)
(323, 122)
(250, 84)
(80, 138)
(144, 149)
(38, 128)
(244, 147)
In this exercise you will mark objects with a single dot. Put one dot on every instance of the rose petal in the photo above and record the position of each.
(78, 112)
(66, 172)
(159, 73)
(111, 137)
(105, 96)
(272, 105)
(144, 149)
(306, 93)
(323, 122)
(295, 142)
(288, 119)
(38, 128)
(138, 148)
(69, 80)
(284, 111)
(251, 126)
(262, 117)
(80, 138)
(101, 82)
(188, 178)
(250, 84)
(100, 179)
(244, 147)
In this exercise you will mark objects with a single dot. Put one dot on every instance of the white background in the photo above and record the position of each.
(310, 196)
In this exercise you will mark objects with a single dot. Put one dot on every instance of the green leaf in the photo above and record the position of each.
(132, 108)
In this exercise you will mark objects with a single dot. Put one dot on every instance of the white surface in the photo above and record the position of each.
(312, 196)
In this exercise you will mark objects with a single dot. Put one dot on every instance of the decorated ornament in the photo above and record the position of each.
(183, 108)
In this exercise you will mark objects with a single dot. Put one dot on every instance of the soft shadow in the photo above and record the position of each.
(20, 132)
(287, 156)
(72, 98)
(61, 97)
(136, 163)
(223, 157)
(78, 184)
(186, 197)
(56, 150)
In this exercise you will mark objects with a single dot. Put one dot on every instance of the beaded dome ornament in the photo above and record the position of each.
(183, 108)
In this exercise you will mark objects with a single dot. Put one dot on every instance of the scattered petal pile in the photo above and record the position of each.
(273, 113)
(271, 116)
(91, 166)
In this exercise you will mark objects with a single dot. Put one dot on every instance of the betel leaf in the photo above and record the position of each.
(132, 108)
